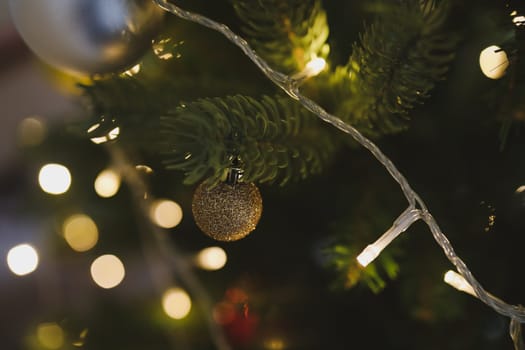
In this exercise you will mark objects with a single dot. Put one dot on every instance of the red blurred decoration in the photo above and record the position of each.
(233, 314)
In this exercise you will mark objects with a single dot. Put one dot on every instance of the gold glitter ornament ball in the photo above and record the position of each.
(227, 212)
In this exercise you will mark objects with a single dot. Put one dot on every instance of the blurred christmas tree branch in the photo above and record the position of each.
(157, 245)
(291, 87)
(287, 34)
(400, 58)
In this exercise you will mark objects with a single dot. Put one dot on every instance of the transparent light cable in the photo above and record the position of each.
(291, 87)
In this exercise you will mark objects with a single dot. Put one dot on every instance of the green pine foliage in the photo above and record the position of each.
(288, 34)
(275, 138)
(400, 57)
(398, 61)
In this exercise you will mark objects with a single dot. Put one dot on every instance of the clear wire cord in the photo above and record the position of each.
(291, 87)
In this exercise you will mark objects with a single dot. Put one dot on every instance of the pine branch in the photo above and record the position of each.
(288, 34)
(399, 59)
(275, 138)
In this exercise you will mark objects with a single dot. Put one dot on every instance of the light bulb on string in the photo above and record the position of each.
(372, 251)
(493, 62)
(457, 281)
(311, 69)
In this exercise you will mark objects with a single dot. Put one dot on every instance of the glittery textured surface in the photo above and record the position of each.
(225, 212)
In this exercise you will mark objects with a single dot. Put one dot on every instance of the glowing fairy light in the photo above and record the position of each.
(107, 271)
(211, 258)
(274, 344)
(107, 183)
(519, 21)
(31, 131)
(133, 70)
(315, 66)
(109, 136)
(166, 213)
(493, 62)
(54, 179)
(80, 232)
(176, 303)
(457, 281)
(22, 259)
(312, 68)
(400, 225)
(50, 335)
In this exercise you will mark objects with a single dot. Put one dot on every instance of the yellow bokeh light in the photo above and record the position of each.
(50, 335)
(166, 213)
(107, 271)
(111, 135)
(22, 259)
(133, 70)
(274, 344)
(212, 258)
(493, 62)
(54, 178)
(107, 183)
(176, 303)
(80, 232)
(31, 131)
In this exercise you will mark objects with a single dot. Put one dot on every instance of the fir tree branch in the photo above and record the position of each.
(399, 59)
(288, 34)
(275, 138)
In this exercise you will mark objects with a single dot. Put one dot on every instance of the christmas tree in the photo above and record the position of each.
(232, 165)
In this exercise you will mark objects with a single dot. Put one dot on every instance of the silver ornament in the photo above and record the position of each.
(87, 36)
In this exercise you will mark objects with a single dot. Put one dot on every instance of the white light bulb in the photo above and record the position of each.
(176, 303)
(372, 251)
(457, 281)
(315, 66)
(107, 183)
(212, 258)
(22, 259)
(493, 62)
(54, 179)
(107, 271)
(165, 213)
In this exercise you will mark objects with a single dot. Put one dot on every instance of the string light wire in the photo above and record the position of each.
(291, 87)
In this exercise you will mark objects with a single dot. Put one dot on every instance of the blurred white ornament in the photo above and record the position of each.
(493, 62)
(87, 36)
